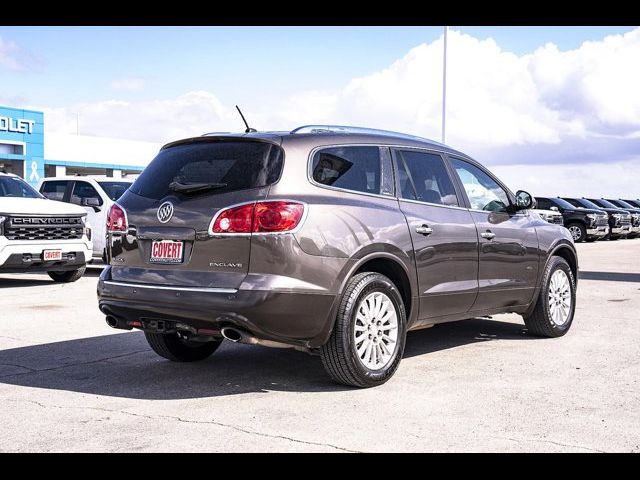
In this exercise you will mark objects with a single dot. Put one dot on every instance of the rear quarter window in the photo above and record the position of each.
(239, 165)
(355, 168)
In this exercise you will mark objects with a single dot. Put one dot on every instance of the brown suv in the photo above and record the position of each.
(331, 240)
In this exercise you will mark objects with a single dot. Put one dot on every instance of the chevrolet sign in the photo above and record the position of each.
(16, 125)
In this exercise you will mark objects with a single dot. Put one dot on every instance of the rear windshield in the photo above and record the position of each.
(114, 190)
(232, 165)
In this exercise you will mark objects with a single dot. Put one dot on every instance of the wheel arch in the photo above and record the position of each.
(567, 252)
(389, 264)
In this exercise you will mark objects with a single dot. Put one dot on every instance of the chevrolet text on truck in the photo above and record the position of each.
(40, 235)
(331, 240)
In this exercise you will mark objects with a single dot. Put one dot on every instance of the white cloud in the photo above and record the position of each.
(547, 110)
(157, 121)
(128, 84)
(574, 180)
(13, 57)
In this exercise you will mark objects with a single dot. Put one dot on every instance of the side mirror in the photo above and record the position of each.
(555, 209)
(91, 202)
(524, 200)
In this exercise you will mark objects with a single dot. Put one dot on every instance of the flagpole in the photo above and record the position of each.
(444, 85)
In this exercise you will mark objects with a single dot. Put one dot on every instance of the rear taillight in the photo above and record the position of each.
(117, 219)
(277, 216)
(234, 220)
(261, 217)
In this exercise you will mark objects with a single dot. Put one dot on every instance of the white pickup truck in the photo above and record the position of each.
(41, 235)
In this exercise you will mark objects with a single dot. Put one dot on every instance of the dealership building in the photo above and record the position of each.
(26, 151)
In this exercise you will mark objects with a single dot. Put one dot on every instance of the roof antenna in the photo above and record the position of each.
(249, 129)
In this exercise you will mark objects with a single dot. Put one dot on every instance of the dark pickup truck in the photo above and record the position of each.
(619, 220)
(635, 215)
(584, 224)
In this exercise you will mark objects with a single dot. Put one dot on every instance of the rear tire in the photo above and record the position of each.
(371, 307)
(67, 277)
(577, 231)
(172, 347)
(558, 285)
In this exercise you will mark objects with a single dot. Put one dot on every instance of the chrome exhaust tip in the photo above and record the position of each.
(231, 334)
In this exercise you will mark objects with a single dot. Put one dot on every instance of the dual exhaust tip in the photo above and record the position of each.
(232, 334)
(115, 322)
(239, 336)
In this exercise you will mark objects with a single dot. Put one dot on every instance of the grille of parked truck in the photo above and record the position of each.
(40, 235)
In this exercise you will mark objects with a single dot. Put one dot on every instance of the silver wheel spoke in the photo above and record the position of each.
(362, 337)
(363, 348)
(387, 338)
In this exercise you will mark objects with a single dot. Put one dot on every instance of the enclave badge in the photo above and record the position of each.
(225, 264)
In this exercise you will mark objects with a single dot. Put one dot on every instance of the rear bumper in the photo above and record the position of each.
(288, 317)
(26, 256)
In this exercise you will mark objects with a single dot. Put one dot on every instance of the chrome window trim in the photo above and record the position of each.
(429, 204)
(379, 145)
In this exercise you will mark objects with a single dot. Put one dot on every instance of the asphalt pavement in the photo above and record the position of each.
(68, 382)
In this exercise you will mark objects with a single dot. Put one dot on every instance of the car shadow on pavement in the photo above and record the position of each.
(7, 282)
(93, 272)
(610, 276)
(122, 365)
(455, 334)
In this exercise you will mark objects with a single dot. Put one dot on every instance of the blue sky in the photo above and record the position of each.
(246, 65)
(548, 100)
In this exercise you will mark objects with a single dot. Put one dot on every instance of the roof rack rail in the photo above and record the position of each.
(350, 129)
(216, 133)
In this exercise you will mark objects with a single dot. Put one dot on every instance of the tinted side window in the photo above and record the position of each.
(114, 190)
(84, 190)
(543, 203)
(424, 177)
(351, 168)
(54, 189)
(483, 191)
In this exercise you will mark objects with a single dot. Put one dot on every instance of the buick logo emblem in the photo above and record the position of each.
(165, 212)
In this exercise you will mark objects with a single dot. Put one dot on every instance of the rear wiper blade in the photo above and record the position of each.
(194, 187)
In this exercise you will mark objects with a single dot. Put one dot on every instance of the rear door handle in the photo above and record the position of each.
(424, 230)
(489, 235)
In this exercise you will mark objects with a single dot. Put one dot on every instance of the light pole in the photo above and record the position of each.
(444, 86)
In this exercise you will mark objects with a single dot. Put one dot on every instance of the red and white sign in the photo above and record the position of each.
(166, 251)
(51, 255)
